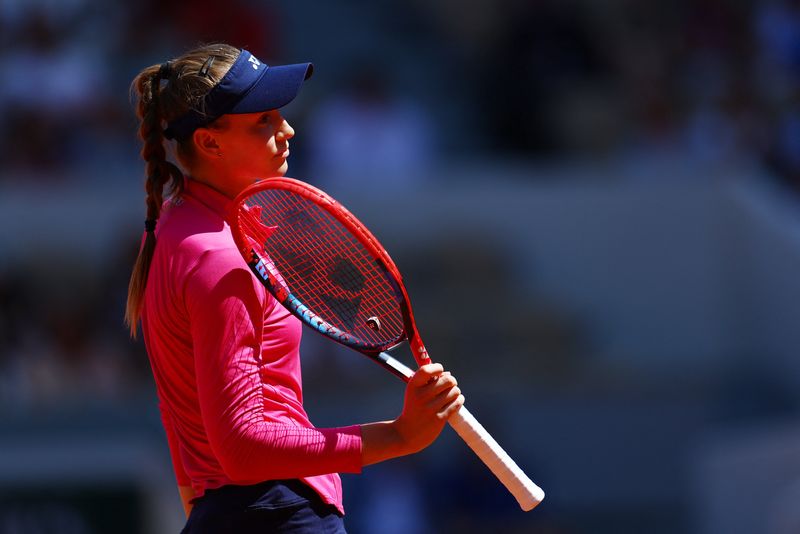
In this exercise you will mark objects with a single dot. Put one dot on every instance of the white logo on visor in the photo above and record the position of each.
(256, 63)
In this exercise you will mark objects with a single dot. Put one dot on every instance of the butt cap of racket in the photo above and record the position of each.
(527, 493)
(532, 500)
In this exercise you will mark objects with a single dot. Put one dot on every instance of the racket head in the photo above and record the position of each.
(320, 262)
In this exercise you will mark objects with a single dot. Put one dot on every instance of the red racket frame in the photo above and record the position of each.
(354, 226)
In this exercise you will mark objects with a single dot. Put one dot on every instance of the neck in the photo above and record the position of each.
(216, 177)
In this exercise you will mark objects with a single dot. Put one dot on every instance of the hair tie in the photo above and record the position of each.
(150, 225)
(206, 66)
(165, 71)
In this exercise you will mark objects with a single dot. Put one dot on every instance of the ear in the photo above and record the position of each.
(205, 142)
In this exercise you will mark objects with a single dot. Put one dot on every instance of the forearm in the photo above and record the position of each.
(381, 441)
(271, 450)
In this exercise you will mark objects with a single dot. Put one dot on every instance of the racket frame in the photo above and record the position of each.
(385, 263)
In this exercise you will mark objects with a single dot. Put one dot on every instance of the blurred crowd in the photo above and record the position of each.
(414, 85)
(711, 80)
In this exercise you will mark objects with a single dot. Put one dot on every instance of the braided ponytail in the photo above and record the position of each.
(185, 88)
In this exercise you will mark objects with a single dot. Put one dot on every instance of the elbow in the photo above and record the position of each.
(235, 454)
(238, 462)
(237, 471)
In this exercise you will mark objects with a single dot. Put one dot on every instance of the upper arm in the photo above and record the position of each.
(226, 311)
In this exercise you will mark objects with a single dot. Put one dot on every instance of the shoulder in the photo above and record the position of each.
(194, 238)
(187, 226)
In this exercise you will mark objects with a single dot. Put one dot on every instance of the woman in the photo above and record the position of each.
(224, 353)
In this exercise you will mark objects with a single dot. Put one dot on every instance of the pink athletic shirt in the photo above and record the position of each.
(226, 363)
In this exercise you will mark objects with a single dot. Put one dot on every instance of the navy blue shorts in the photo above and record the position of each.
(287, 506)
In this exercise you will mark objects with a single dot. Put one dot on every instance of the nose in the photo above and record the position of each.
(285, 131)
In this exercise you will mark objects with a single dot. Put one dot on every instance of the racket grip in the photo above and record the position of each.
(527, 493)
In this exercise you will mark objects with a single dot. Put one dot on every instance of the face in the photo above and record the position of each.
(251, 146)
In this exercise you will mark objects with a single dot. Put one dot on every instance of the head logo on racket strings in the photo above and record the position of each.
(346, 275)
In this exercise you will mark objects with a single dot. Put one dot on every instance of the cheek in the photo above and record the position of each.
(265, 136)
(271, 144)
(269, 165)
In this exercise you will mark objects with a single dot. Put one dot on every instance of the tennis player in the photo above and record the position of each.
(224, 353)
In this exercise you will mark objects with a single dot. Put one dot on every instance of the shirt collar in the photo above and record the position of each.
(209, 197)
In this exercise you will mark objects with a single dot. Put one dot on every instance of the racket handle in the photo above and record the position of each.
(527, 493)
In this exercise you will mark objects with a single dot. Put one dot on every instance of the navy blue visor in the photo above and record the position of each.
(250, 86)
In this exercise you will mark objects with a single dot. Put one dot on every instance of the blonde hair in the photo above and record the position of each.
(163, 93)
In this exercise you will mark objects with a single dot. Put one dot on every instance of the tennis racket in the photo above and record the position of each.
(324, 266)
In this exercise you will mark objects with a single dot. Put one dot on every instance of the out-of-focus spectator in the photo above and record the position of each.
(365, 132)
(61, 338)
(55, 89)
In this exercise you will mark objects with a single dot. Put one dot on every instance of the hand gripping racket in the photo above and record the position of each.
(324, 266)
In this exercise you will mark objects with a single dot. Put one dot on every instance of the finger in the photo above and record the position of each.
(441, 401)
(424, 374)
(442, 383)
(447, 411)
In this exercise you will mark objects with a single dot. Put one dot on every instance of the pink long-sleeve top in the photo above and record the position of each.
(225, 358)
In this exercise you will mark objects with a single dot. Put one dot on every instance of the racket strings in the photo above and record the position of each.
(326, 267)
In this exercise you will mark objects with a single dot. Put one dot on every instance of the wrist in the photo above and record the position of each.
(382, 441)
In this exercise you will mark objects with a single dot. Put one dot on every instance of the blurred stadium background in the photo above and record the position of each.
(596, 205)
